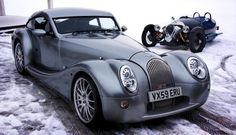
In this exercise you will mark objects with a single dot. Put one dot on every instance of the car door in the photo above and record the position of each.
(47, 49)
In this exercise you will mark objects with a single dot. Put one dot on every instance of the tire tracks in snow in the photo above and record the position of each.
(222, 120)
(222, 65)
(63, 110)
(223, 62)
(5, 43)
(211, 123)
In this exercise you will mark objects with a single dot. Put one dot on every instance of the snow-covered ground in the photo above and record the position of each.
(22, 109)
(27, 107)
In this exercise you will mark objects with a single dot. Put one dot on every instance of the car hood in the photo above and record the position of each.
(107, 46)
(158, 71)
(142, 58)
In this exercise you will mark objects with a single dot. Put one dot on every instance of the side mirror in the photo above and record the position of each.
(39, 32)
(123, 28)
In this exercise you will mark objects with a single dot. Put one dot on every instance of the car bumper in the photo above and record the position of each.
(140, 109)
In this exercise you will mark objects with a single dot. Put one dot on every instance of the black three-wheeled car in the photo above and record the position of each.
(192, 32)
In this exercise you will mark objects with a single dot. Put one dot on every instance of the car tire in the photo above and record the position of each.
(87, 101)
(197, 40)
(19, 58)
(148, 38)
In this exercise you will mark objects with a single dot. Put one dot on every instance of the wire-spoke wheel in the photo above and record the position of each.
(19, 58)
(86, 100)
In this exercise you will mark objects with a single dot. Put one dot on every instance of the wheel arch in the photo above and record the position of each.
(77, 74)
(105, 75)
(99, 71)
(22, 36)
(15, 42)
(90, 69)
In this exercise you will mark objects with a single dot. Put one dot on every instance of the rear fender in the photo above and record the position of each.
(23, 36)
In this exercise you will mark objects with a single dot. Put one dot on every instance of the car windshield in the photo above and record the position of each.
(85, 24)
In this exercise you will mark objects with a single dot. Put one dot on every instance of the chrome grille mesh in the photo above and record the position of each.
(160, 74)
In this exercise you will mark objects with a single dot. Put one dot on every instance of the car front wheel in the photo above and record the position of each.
(19, 58)
(197, 40)
(87, 100)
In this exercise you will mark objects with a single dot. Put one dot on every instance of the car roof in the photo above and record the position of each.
(69, 12)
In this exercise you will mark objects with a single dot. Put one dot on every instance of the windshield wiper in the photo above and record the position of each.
(75, 33)
(105, 31)
(85, 32)
(110, 30)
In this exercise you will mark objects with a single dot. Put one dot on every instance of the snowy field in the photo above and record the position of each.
(28, 107)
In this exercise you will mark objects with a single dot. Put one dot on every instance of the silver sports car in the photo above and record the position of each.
(84, 56)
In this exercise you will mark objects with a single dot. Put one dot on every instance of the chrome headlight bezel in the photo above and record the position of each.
(157, 27)
(164, 29)
(128, 79)
(197, 68)
(185, 29)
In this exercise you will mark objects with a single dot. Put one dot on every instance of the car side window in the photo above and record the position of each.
(40, 23)
(107, 23)
(37, 23)
(94, 22)
(30, 24)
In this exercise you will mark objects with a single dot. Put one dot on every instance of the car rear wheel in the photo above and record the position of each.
(87, 100)
(197, 40)
(148, 38)
(19, 58)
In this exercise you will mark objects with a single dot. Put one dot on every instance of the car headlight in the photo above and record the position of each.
(157, 27)
(196, 67)
(128, 78)
(164, 28)
(185, 29)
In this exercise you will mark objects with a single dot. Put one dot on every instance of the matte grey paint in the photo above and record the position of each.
(101, 57)
(97, 46)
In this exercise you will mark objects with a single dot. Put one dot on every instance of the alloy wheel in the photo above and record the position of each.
(19, 57)
(84, 100)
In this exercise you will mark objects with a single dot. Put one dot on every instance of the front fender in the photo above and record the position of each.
(23, 36)
(105, 74)
(177, 60)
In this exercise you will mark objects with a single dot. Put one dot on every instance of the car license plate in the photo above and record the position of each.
(164, 94)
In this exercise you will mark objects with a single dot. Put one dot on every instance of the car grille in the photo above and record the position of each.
(160, 74)
(161, 77)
